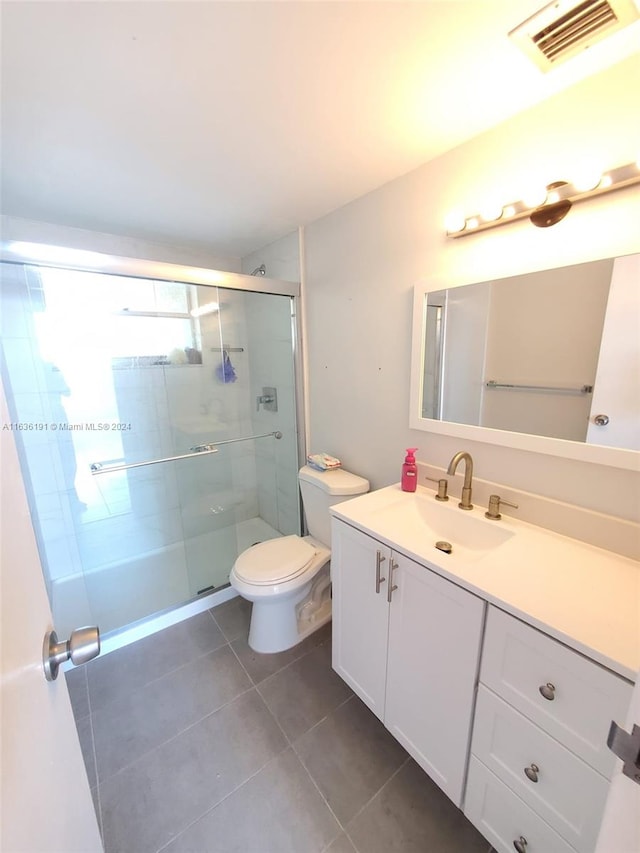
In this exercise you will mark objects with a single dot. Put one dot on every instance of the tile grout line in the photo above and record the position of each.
(180, 665)
(322, 796)
(278, 671)
(291, 744)
(252, 686)
(333, 710)
(226, 797)
(166, 674)
(342, 826)
(95, 760)
(179, 733)
(377, 793)
(169, 671)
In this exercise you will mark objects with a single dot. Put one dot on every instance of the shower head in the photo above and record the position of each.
(261, 270)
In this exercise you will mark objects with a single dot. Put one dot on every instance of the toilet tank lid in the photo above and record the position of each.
(336, 481)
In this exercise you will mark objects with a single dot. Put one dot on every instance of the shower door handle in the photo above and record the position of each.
(83, 645)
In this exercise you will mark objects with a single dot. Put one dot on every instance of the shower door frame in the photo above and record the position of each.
(43, 255)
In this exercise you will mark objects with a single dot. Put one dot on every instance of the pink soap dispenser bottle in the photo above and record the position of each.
(410, 471)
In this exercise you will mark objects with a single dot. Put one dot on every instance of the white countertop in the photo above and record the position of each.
(584, 596)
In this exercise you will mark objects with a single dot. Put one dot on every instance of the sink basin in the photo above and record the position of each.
(420, 520)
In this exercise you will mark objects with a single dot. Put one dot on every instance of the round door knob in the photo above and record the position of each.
(531, 772)
(601, 420)
(521, 844)
(548, 690)
(83, 645)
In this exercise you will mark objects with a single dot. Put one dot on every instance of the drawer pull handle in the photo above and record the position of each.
(532, 772)
(548, 690)
(521, 844)
(379, 561)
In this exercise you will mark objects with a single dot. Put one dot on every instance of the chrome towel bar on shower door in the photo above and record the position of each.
(198, 450)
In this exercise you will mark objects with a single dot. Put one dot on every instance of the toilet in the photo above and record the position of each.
(288, 579)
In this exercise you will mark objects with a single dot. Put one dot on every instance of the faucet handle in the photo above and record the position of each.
(493, 512)
(442, 488)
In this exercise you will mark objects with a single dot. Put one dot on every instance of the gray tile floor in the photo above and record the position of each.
(195, 744)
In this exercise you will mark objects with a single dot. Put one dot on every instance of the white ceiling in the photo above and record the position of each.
(225, 125)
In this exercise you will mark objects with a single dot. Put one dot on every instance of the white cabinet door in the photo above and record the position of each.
(435, 631)
(360, 613)
(46, 803)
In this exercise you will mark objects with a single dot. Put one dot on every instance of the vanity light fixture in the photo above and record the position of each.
(547, 206)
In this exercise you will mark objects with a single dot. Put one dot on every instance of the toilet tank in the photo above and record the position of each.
(322, 489)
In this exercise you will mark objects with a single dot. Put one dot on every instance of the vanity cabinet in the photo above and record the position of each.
(540, 768)
(499, 669)
(407, 642)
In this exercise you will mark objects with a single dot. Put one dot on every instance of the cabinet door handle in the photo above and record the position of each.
(391, 586)
(531, 772)
(548, 690)
(380, 558)
(521, 844)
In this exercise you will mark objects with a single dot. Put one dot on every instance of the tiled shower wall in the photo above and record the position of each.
(269, 331)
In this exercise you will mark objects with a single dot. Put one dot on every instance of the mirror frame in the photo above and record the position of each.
(597, 454)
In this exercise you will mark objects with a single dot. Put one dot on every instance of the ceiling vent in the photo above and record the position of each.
(566, 27)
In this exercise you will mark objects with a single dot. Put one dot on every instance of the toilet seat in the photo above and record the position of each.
(275, 561)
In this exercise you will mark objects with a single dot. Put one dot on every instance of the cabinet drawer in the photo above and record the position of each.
(568, 794)
(519, 661)
(504, 819)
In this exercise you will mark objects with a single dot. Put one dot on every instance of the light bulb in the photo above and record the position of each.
(508, 211)
(472, 223)
(491, 211)
(587, 180)
(534, 196)
(454, 222)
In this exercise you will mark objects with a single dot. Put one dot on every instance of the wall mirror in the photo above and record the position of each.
(546, 361)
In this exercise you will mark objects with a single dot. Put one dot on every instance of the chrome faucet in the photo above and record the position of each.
(465, 503)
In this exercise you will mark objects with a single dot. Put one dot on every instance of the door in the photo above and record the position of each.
(46, 803)
(620, 830)
(616, 392)
(360, 568)
(435, 629)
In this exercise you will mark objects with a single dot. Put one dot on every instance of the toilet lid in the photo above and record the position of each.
(275, 560)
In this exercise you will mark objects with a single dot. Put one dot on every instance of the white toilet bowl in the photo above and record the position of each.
(288, 579)
(276, 576)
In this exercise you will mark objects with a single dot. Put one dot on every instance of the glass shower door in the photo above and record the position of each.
(107, 373)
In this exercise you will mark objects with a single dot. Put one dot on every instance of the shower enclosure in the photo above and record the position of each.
(156, 424)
